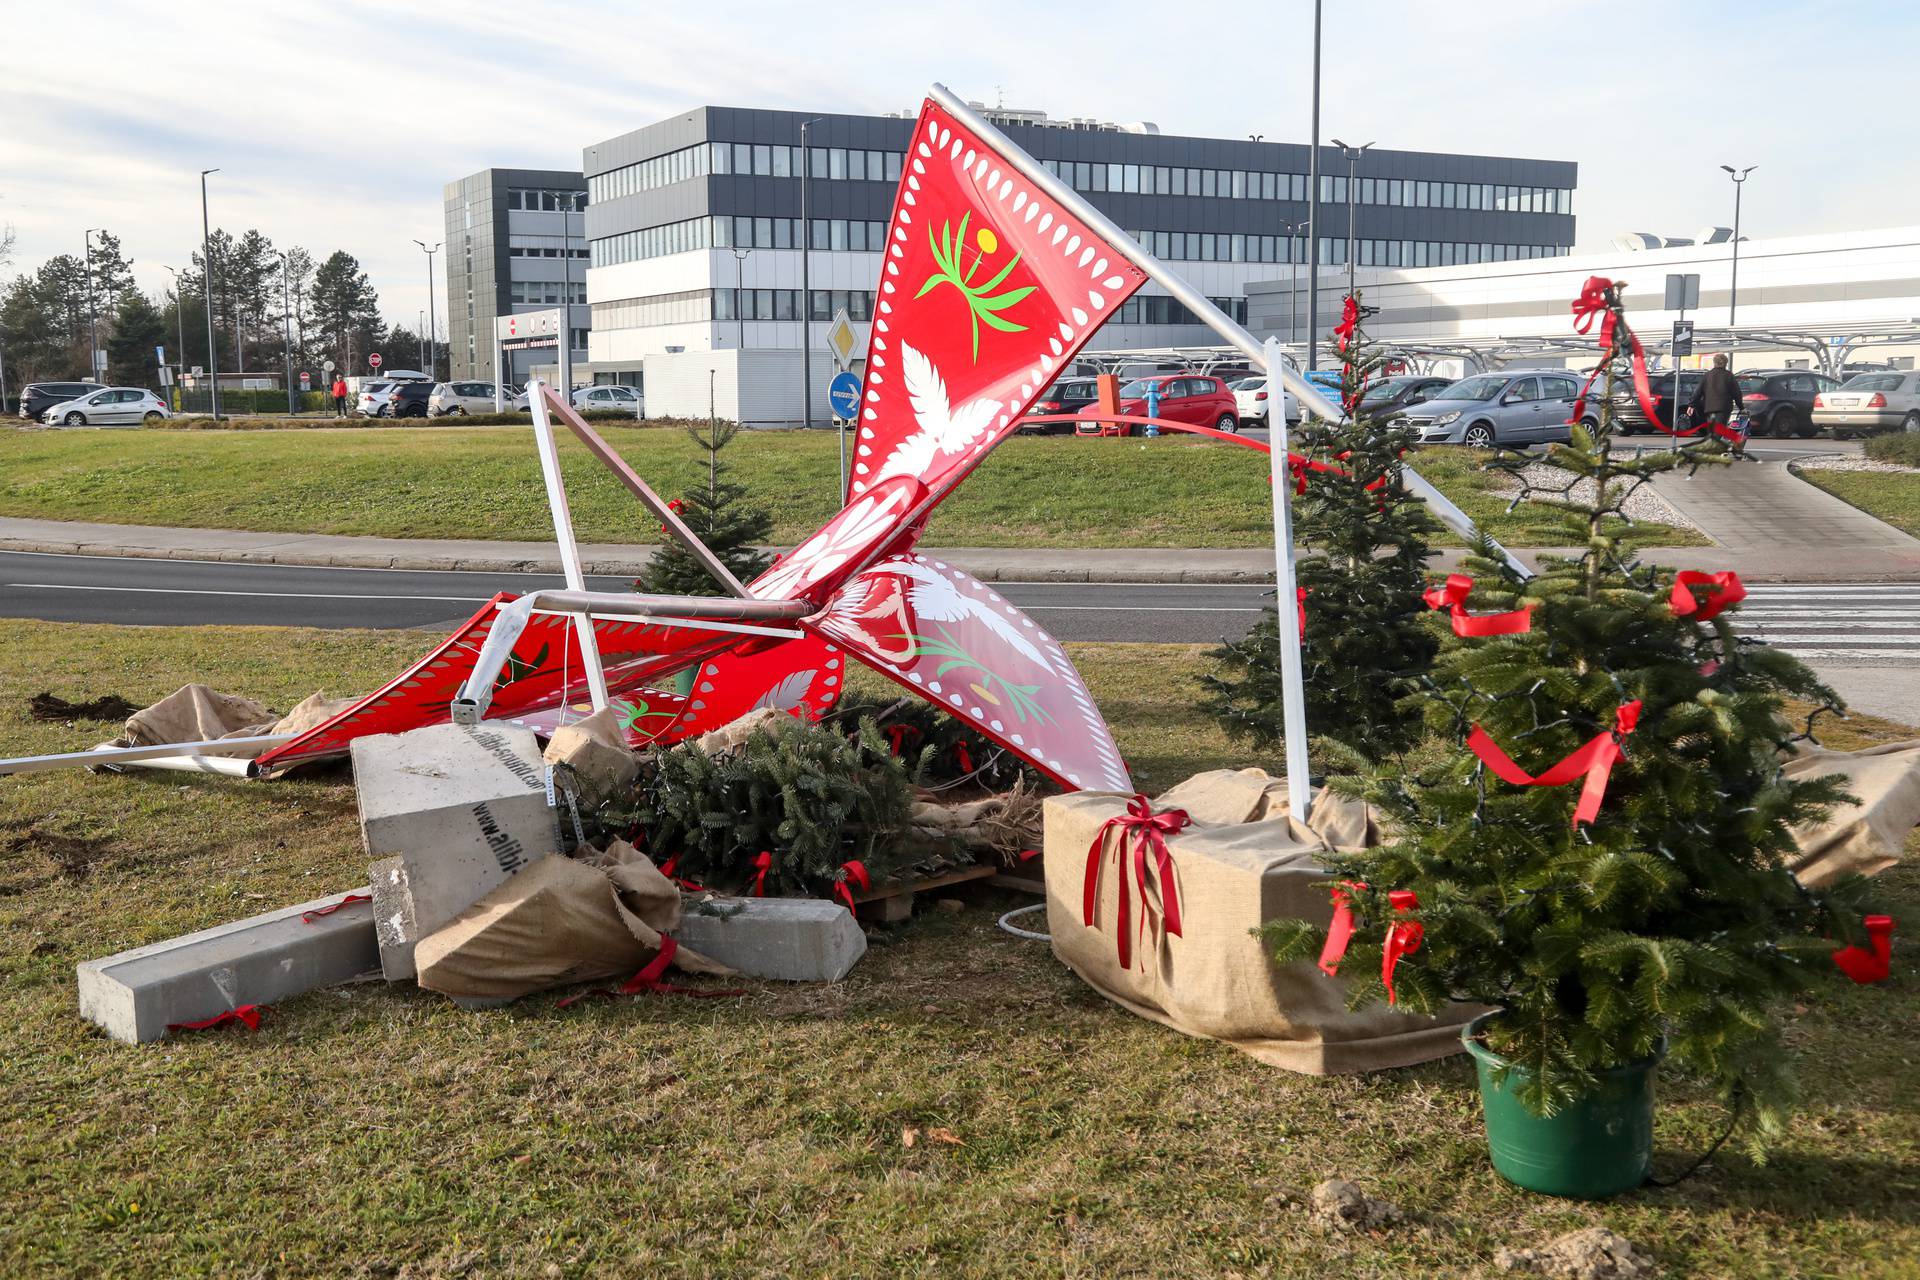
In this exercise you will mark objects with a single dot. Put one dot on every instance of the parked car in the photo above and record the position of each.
(1251, 400)
(1068, 395)
(1401, 392)
(1515, 407)
(376, 395)
(409, 399)
(461, 398)
(610, 399)
(1661, 384)
(1870, 402)
(1779, 402)
(38, 397)
(114, 406)
(1185, 397)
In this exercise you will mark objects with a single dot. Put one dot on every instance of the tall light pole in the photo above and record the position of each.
(1739, 177)
(433, 320)
(93, 314)
(739, 265)
(180, 324)
(286, 319)
(806, 281)
(1293, 278)
(1313, 209)
(206, 278)
(1353, 155)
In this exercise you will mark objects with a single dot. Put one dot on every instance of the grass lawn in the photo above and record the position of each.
(1886, 495)
(376, 1131)
(459, 482)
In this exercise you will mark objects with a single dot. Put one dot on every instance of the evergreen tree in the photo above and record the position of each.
(1364, 545)
(346, 311)
(112, 272)
(716, 513)
(138, 327)
(1597, 924)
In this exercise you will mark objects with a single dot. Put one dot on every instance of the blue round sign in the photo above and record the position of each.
(843, 394)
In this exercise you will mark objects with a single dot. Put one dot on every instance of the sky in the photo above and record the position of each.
(335, 123)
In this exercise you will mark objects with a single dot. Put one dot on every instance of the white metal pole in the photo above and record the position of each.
(563, 535)
(499, 387)
(1292, 680)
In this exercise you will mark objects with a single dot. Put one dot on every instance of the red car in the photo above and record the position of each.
(1181, 397)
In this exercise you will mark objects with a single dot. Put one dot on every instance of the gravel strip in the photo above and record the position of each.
(1644, 504)
(1850, 462)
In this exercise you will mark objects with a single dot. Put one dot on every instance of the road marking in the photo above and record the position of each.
(252, 595)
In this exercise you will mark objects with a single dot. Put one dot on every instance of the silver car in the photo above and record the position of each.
(615, 399)
(115, 406)
(1870, 402)
(1515, 407)
(462, 398)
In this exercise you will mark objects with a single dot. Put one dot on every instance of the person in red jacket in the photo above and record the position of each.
(339, 396)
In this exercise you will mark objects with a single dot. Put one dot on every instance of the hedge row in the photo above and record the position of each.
(328, 422)
(1901, 446)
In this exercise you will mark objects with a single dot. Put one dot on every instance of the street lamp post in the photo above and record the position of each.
(806, 277)
(1293, 279)
(739, 286)
(1313, 209)
(1739, 177)
(93, 313)
(433, 320)
(1353, 155)
(180, 323)
(206, 278)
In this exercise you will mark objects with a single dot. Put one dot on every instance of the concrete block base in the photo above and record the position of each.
(791, 939)
(133, 996)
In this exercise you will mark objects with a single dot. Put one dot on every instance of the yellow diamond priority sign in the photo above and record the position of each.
(841, 338)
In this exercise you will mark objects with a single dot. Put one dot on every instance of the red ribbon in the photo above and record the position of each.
(667, 869)
(647, 981)
(1594, 761)
(1453, 598)
(896, 735)
(308, 917)
(1300, 602)
(1723, 589)
(1349, 321)
(1150, 831)
(1403, 937)
(675, 506)
(1873, 962)
(855, 873)
(1340, 930)
(246, 1014)
(1597, 301)
(761, 865)
(965, 757)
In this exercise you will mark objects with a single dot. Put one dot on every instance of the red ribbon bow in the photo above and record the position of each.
(1594, 760)
(964, 756)
(667, 869)
(1349, 321)
(1593, 303)
(1340, 931)
(855, 872)
(308, 917)
(647, 981)
(1453, 598)
(247, 1014)
(1300, 602)
(761, 865)
(1150, 831)
(1873, 962)
(897, 734)
(1723, 590)
(676, 506)
(1403, 937)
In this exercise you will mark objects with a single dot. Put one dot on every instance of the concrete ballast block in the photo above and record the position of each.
(448, 812)
(793, 939)
(134, 995)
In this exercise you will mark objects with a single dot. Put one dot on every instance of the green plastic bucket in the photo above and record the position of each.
(1598, 1146)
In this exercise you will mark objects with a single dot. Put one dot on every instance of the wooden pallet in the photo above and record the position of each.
(893, 902)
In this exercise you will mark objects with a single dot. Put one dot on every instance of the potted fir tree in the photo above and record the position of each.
(1597, 852)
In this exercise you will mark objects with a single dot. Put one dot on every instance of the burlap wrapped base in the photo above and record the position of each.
(1244, 862)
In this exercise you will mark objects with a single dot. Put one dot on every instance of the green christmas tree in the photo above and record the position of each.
(719, 516)
(1363, 540)
(1648, 901)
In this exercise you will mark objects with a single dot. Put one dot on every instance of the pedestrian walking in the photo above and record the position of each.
(1718, 400)
(339, 396)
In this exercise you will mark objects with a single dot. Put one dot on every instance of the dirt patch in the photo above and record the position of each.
(1592, 1253)
(71, 856)
(112, 707)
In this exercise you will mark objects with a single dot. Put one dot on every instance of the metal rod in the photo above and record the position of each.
(569, 551)
(206, 281)
(1313, 213)
(254, 746)
(1293, 689)
(806, 289)
(676, 527)
(226, 765)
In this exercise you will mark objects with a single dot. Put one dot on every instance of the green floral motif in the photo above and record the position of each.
(632, 713)
(983, 304)
(1017, 698)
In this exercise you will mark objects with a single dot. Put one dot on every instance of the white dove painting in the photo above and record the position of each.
(943, 431)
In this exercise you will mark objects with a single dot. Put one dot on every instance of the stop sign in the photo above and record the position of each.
(374, 359)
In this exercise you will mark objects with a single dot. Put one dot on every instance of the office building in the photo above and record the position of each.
(516, 241)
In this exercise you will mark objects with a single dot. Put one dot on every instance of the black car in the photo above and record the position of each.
(1779, 402)
(1388, 395)
(1661, 384)
(1069, 395)
(38, 397)
(410, 399)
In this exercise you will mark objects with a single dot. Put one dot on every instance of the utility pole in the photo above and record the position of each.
(180, 324)
(806, 278)
(1739, 177)
(1353, 155)
(286, 319)
(206, 279)
(433, 320)
(93, 314)
(1313, 209)
(1293, 281)
(739, 266)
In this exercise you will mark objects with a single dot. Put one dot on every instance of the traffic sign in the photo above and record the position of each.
(843, 395)
(324, 364)
(374, 359)
(841, 338)
(1682, 338)
(1683, 292)
(306, 380)
(159, 355)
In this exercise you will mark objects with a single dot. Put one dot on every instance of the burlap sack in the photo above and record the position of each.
(195, 713)
(314, 710)
(1216, 978)
(596, 750)
(558, 922)
(1867, 837)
